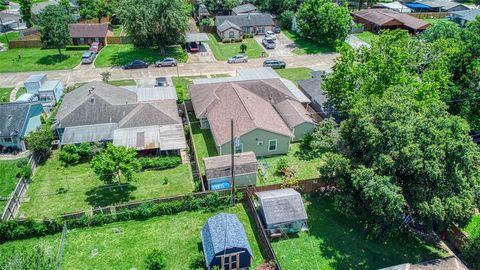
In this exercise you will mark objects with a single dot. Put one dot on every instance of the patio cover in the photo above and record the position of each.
(196, 37)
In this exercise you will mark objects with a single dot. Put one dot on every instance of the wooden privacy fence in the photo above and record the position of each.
(429, 15)
(15, 199)
(265, 246)
(33, 43)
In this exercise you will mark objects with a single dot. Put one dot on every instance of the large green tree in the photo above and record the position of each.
(53, 24)
(116, 163)
(402, 157)
(154, 22)
(40, 142)
(96, 9)
(323, 21)
(26, 11)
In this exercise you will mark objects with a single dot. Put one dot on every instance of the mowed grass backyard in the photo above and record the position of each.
(181, 86)
(203, 141)
(304, 168)
(10, 36)
(223, 51)
(56, 189)
(306, 46)
(8, 179)
(36, 59)
(336, 242)
(473, 227)
(125, 245)
(117, 55)
(5, 94)
(367, 36)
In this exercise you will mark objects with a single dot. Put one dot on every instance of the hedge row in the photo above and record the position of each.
(160, 163)
(77, 47)
(13, 229)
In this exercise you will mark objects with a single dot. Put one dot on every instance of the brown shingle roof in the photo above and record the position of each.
(293, 113)
(248, 103)
(87, 30)
(383, 17)
(220, 166)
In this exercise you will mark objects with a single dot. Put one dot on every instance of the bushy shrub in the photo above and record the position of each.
(160, 163)
(69, 155)
(77, 47)
(285, 19)
(197, 261)
(156, 260)
(471, 252)
(21, 163)
(282, 165)
(84, 150)
(25, 172)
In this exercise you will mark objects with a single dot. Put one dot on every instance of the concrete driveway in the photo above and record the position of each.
(284, 46)
(204, 55)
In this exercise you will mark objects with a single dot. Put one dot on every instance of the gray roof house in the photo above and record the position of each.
(244, 8)
(312, 88)
(17, 120)
(101, 112)
(266, 115)
(250, 23)
(10, 21)
(225, 243)
(464, 16)
(448, 263)
(218, 170)
(282, 210)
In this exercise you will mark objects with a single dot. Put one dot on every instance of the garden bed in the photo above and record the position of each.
(56, 189)
(336, 242)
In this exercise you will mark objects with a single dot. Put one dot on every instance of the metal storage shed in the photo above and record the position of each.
(282, 210)
(225, 243)
(218, 170)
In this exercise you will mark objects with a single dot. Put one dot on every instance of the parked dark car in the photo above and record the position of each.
(277, 30)
(161, 81)
(96, 47)
(166, 62)
(193, 47)
(136, 64)
(273, 63)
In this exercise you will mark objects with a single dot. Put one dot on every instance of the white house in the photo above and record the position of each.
(48, 91)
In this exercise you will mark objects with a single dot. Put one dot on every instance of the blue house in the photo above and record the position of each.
(17, 119)
(225, 243)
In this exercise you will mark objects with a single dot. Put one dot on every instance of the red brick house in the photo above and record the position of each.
(85, 33)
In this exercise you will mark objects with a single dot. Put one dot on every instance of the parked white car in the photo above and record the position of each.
(270, 34)
(88, 57)
(238, 59)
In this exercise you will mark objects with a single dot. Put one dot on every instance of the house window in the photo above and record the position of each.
(272, 145)
(239, 148)
(231, 34)
(82, 40)
(7, 139)
(259, 143)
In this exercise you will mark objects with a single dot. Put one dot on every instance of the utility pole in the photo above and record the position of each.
(232, 185)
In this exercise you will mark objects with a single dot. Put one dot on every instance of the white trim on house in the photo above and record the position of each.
(276, 145)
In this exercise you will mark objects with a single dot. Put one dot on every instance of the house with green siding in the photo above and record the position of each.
(17, 120)
(266, 115)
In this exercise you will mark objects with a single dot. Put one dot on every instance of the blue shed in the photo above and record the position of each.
(225, 243)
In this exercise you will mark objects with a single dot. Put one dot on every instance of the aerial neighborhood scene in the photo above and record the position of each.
(240, 134)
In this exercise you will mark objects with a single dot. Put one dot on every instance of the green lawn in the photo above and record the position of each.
(367, 36)
(295, 74)
(127, 82)
(223, 51)
(117, 30)
(125, 245)
(22, 90)
(473, 228)
(306, 46)
(116, 55)
(10, 36)
(203, 140)
(304, 168)
(181, 85)
(434, 20)
(38, 60)
(5, 94)
(56, 189)
(8, 180)
(336, 242)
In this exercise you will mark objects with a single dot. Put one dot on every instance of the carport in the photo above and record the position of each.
(196, 38)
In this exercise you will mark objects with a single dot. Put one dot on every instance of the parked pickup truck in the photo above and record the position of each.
(269, 43)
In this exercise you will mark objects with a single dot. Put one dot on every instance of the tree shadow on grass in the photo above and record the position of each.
(110, 194)
(52, 59)
(345, 244)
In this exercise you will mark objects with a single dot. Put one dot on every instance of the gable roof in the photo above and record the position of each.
(383, 17)
(245, 8)
(223, 232)
(249, 103)
(445, 5)
(228, 25)
(282, 206)
(14, 116)
(88, 30)
(313, 88)
(220, 166)
(251, 19)
(203, 10)
(468, 15)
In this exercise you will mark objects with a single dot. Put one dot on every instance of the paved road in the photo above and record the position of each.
(68, 77)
